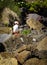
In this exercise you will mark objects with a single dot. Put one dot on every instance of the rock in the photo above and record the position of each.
(1, 57)
(22, 39)
(6, 55)
(35, 61)
(42, 48)
(7, 15)
(4, 37)
(22, 48)
(43, 62)
(5, 41)
(27, 40)
(6, 30)
(42, 45)
(22, 57)
(32, 61)
(8, 61)
(33, 21)
(34, 40)
(31, 47)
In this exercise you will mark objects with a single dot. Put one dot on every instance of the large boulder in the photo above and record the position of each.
(35, 61)
(43, 62)
(42, 48)
(7, 59)
(8, 15)
(42, 45)
(33, 21)
(23, 56)
(4, 39)
(32, 61)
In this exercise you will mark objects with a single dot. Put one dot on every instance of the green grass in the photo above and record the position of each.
(25, 32)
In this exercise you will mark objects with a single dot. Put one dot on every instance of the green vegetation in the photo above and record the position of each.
(39, 6)
(25, 32)
(35, 6)
(10, 4)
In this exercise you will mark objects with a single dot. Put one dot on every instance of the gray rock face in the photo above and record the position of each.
(4, 37)
(34, 16)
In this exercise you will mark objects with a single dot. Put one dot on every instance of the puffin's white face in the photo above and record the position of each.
(16, 22)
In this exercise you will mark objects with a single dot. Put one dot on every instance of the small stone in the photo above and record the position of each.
(34, 40)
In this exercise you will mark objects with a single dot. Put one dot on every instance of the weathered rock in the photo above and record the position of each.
(32, 61)
(6, 30)
(7, 59)
(5, 41)
(22, 48)
(35, 61)
(6, 55)
(43, 62)
(4, 38)
(42, 45)
(33, 21)
(31, 47)
(22, 57)
(28, 47)
(42, 48)
(8, 13)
